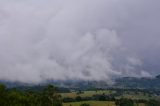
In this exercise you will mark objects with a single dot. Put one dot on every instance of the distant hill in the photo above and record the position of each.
(141, 83)
(124, 82)
(158, 76)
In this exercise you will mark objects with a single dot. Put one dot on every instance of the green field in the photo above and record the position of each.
(129, 95)
(92, 103)
(137, 97)
(87, 93)
(95, 103)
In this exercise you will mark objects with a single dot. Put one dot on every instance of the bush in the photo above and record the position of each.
(68, 100)
(85, 104)
(153, 103)
(124, 102)
(78, 98)
(102, 98)
(13, 97)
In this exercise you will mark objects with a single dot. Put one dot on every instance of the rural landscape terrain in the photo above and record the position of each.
(79, 52)
(127, 91)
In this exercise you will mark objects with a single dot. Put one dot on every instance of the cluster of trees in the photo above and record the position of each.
(118, 102)
(85, 104)
(97, 97)
(47, 97)
(130, 102)
(124, 102)
(153, 103)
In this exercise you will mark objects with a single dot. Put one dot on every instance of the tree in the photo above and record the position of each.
(14, 97)
(2, 95)
(102, 98)
(125, 102)
(153, 103)
(78, 98)
(85, 104)
(50, 97)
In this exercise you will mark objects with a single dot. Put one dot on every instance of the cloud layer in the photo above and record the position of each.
(78, 39)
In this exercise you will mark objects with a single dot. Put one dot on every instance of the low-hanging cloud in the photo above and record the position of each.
(71, 39)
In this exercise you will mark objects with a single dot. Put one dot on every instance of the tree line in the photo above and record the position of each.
(13, 97)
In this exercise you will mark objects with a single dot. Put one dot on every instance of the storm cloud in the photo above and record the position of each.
(78, 39)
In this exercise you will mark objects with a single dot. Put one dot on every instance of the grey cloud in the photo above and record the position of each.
(89, 40)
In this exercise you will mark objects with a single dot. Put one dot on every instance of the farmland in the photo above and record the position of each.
(107, 97)
(96, 103)
(92, 103)
(125, 94)
(87, 93)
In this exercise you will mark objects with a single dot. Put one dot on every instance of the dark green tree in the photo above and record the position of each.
(85, 104)
(125, 102)
(78, 98)
(3, 95)
(50, 97)
(153, 103)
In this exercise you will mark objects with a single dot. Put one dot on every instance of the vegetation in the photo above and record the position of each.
(91, 103)
(13, 97)
(153, 103)
(125, 102)
(50, 96)
(112, 97)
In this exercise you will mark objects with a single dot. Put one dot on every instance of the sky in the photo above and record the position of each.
(78, 39)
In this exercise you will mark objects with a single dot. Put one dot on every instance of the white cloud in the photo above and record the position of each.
(57, 39)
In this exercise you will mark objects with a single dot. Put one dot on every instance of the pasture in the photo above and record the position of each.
(96, 103)
(87, 93)
(92, 103)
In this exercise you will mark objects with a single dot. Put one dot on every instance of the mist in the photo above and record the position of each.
(80, 40)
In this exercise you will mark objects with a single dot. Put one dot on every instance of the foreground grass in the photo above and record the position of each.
(92, 103)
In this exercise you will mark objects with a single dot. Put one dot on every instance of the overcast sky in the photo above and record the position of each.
(79, 39)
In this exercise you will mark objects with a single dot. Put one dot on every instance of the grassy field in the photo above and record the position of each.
(139, 95)
(92, 103)
(95, 103)
(129, 94)
(86, 93)
(136, 97)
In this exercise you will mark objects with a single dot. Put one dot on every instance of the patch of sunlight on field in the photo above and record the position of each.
(92, 103)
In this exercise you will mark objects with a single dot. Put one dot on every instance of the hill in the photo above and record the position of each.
(123, 82)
